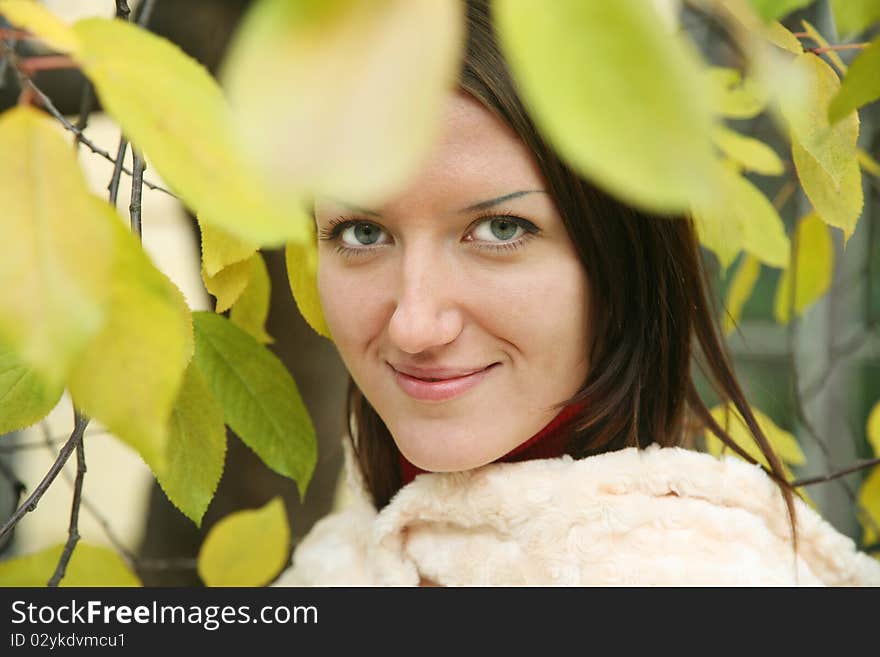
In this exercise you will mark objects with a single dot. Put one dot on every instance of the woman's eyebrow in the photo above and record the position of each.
(482, 205)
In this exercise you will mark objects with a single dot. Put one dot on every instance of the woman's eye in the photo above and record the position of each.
(361, 234)
(503, 229)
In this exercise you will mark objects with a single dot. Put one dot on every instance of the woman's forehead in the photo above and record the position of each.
(475, 157)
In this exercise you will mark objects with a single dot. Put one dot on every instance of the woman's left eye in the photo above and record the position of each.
(502, 229)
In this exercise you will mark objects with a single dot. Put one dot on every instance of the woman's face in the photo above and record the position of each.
(459, 306)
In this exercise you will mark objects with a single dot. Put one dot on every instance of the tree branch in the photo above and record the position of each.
(73, 529)
(855, 467)
(31, 502)
(137, 182)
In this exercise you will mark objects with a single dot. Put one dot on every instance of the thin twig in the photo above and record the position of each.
(29, 86)
(47, 103)
(113, 186)
(86, 104)
(855, 467)
(137, 182)
(839, 46)
(120, 547)
(73, 529)
(30, 504)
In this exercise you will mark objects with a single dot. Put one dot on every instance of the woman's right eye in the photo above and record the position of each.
(361, 233)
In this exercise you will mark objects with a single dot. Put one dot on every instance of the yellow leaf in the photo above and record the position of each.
(228, 283)
(740, 290)
(129, 375)
(342, 97)
(220, 249)
(55, 267)
(873, 429)
(781, 36)
(833, 147)
(38, 20)
(89, 565)
(252, 308)
(837, 205)
(624, 103)
(734, 97)
(822, 43)
(246, 548)
(302, 274)
(174, 111)
(813, 268)
(752, 154)
(869, 500)
(784, 444)
(196, 447)
(741, 217)
(868, 163)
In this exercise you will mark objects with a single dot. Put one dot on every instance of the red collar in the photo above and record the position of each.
(549, 442)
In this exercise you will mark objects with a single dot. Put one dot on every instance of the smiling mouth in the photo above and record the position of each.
(439, 387)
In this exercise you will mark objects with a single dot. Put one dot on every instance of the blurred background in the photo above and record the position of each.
(833, 357)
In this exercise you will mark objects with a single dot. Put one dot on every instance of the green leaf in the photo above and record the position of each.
(252, 308)
(813, 265)
(89, 565)
(853, 17)
(625, 103)
(741, 288)
(259, 398)
(38, 20)
(220, 249)
(302, 274)
(861, 84)
(838, 205)
(735, 97)
(228, 283)
(873, 428)
(752, 154)
(129, 375)
(196, 447)
(172, 108)
(246, 548)
(741, 217)
(24, 397)
(55, 266)
(343, 97)
(783, 443)
(832, 147)
(777, 9)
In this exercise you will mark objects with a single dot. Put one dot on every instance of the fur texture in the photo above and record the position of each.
(658, 516)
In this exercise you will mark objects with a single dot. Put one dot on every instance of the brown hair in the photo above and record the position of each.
(649, 303)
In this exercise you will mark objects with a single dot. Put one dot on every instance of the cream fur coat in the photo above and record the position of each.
(658, 516)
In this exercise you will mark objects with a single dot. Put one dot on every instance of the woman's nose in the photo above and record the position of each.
(427, 314)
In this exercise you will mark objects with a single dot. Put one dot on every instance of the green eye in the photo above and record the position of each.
(499, 229)
(503, 229)
(361, 234)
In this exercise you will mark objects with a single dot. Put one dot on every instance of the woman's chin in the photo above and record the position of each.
(440, 449)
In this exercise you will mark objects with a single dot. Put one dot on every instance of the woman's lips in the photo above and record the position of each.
(442, 390)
